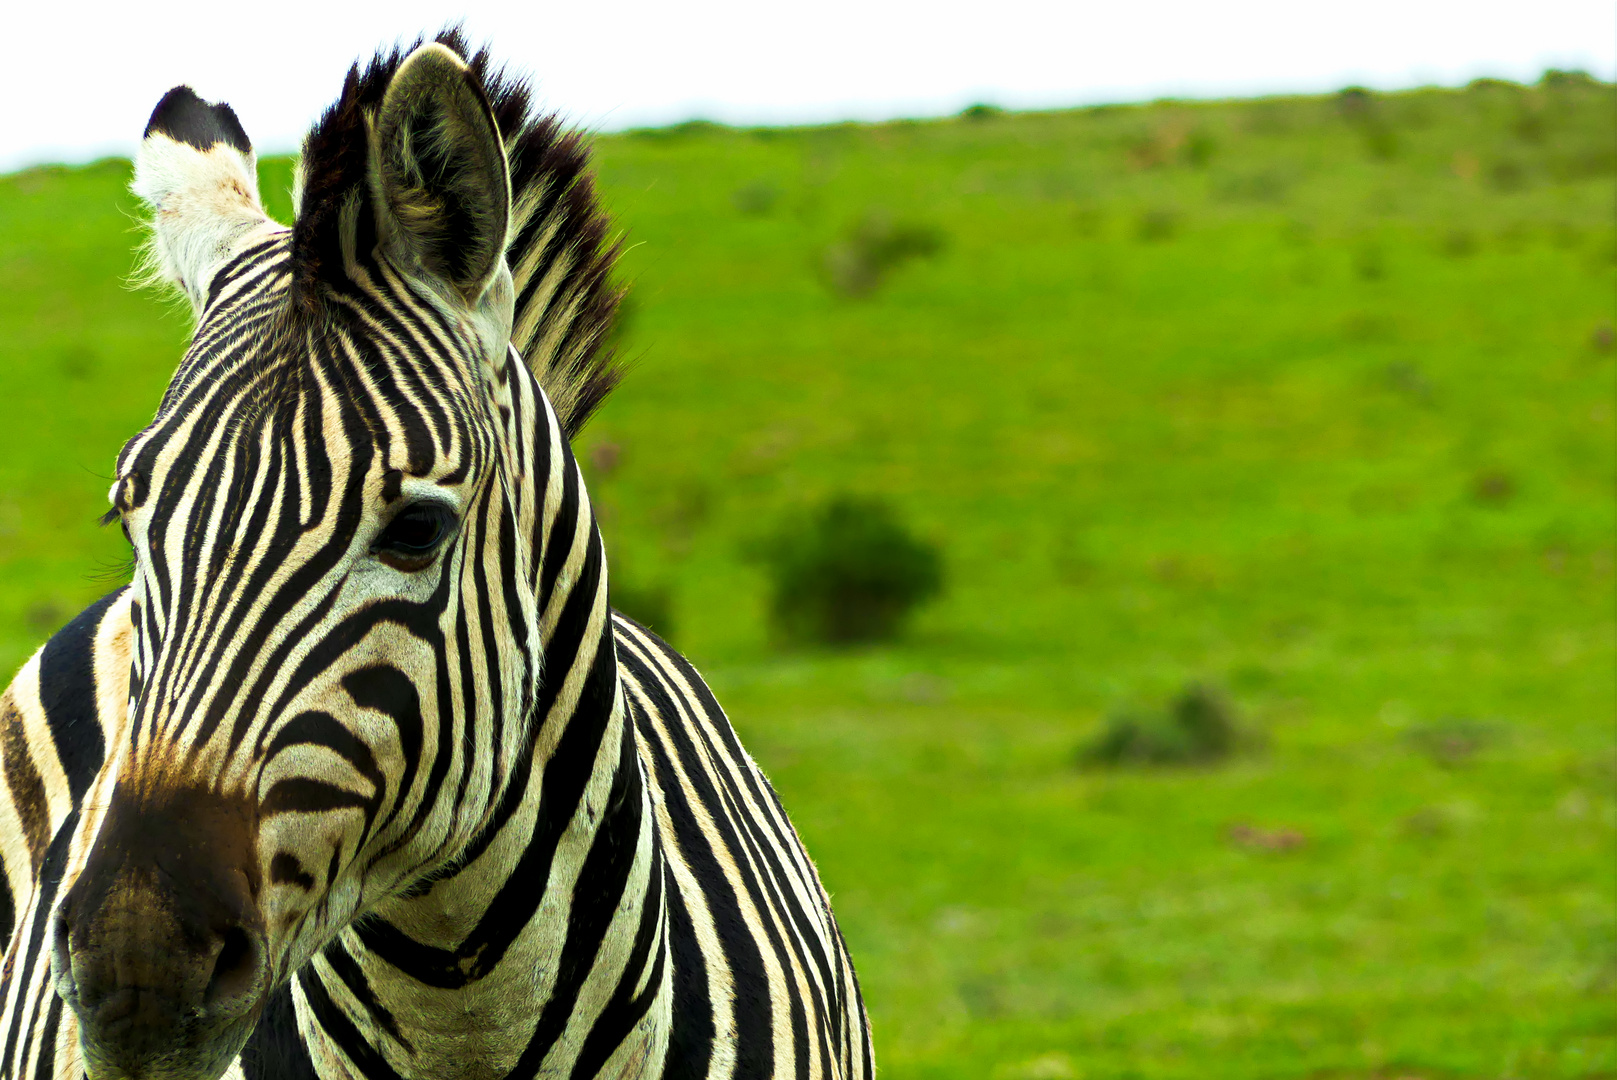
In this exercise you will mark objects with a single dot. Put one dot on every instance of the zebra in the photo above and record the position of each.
(361, 775)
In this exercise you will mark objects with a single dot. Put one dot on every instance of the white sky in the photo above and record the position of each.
(86, 75)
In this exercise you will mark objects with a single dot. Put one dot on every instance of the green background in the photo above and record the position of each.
(1310, 398)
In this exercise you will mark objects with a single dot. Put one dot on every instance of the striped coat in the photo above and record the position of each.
(361, 776)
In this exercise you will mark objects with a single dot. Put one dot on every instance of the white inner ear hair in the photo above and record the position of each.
(203, 203)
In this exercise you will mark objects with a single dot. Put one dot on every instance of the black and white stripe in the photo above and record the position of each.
(483, 825)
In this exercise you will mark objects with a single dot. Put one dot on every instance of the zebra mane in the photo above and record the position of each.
(559, 253)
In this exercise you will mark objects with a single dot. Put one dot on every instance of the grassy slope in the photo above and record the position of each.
(1340, 442)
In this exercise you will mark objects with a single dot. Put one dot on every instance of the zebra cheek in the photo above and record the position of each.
(301, 855)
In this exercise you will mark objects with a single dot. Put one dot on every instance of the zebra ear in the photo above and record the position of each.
(198, 174)
(440, 183)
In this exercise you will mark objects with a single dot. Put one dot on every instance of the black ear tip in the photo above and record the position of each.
(186, 118)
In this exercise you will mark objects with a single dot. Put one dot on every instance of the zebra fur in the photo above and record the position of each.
(577, 870)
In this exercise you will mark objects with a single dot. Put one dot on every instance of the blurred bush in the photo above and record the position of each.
(1172, 142)
(1157, 223)
(1198, 727)
(1199, 149)
(1362, 109)
(873, 248)
(688, 129)
(756, 199)
(1370, 260)
(848, 572)
(1558, 78)
(1268, 184)
(981, 111)
(1454, 740)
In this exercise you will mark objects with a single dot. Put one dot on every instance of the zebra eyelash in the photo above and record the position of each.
(114, 572)
(117, 515)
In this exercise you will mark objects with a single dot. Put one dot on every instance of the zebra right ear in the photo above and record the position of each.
(198, 174)
(439, 177)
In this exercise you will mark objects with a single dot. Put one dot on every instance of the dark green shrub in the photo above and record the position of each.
(1486, 84)
(1557, 78)
(1265, 185)
(1530, 126)
(1369, 261)
(1380, 140)
(875, 247)
(1199, 149)
(1159, 223)
(1454, 740)
(1507, 175)
(1198, 727)
(1408, 379)
(1354, 100)
(1363, 110)
(981, 111)
(848, 572)
(683, 130)
(1172, 142)
(1493, 487)
(1459, 243)
(756, 199)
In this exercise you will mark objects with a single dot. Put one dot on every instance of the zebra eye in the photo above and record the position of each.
(411, 540)
(116, 515)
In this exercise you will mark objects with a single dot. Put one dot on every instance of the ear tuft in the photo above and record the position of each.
(438, 172)
(197, 172)
(186, 118)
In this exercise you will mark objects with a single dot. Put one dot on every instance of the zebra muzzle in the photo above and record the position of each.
(159, 948)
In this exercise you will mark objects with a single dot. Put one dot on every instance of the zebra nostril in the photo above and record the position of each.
(235, 968)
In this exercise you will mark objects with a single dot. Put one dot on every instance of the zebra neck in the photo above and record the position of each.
(545, 951)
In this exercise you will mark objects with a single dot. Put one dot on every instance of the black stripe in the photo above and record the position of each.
(756, 862)
(755, 1052)
(341, 1030)
(359, 986)
(806, 924)
(67, 689)
(323, 729)
(690, 1038)
(36, 949)
(558, 540)
(275, 1050)
(27, 789)
(8, 908)
(626, 1009)
(46, 1067)
(512, 907)
(600, 889)
(302, 795)
(390, 692)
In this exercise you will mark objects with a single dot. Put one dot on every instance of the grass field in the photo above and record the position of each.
(1310, 398)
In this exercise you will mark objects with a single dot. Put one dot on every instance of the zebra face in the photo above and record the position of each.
(334, 526)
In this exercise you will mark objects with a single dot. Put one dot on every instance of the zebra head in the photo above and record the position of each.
(356, 524)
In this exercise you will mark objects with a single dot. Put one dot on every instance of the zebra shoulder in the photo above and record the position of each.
(55, 721)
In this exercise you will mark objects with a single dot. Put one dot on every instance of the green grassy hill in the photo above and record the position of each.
(1308, 398)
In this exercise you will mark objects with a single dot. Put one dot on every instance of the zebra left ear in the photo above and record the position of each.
(197, 172)
(438, 173)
